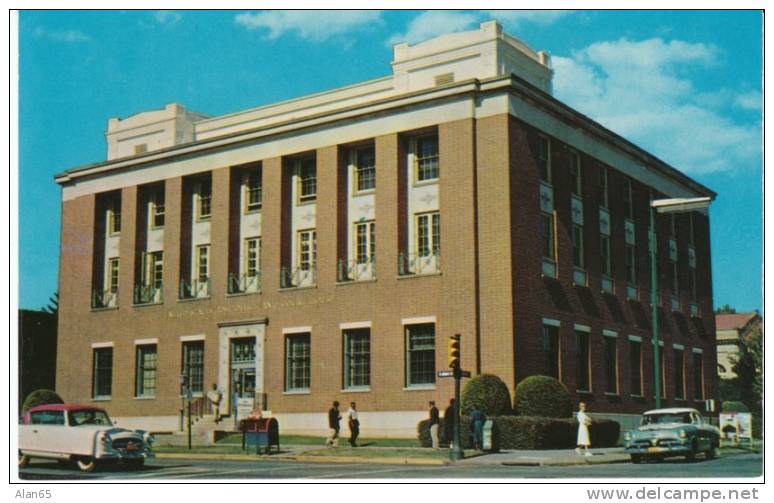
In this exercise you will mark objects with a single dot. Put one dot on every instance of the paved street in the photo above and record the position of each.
(745, 465)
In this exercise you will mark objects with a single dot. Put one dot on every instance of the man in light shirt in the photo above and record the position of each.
(354, 424)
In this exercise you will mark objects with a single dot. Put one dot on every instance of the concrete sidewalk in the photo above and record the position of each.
(565, 457)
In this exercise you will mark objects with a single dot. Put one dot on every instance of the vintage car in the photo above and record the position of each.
(672, 432)
(82, 434)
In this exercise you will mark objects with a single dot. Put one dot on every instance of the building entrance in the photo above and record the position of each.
(243, 375)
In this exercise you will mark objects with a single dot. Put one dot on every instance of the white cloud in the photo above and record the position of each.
(752, 100)
(168, 17)
(315, 25)
(61, 35)
(432, 23)
(643, 91)
(517, 17)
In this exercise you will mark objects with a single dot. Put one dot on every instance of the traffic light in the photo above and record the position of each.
(454, 351)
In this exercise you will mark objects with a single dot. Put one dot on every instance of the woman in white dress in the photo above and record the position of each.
(584, 421)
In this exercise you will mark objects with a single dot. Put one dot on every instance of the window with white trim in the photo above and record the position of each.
(114, 217)
(113, 274)
(578, 258)
(576, 174)
(102, 372)
(203, 263)
(365, 242)
(307, 250)
(298, 362)
(193, 365)
(428, 234)
(420, 354)
(253, 190)
(426, 158)
(157, 209)
(602, 185)
(357, 358)
(365, 169)
(252, 257)
(145, 384)
(307, 180)
(203, 199)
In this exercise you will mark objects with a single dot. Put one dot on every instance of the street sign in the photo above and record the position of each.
(450, 373)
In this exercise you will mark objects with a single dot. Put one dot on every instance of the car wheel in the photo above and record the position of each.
(691, 456)
(636, 459)
(86, 464)
(24, 460)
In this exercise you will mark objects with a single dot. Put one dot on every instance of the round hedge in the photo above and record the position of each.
(542, 396)
(489, 394)
(733, 406)
(40, 397)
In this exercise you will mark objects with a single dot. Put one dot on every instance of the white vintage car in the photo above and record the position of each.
(82, 434)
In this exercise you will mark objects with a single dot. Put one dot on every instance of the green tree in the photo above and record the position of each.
(725, 309)
(748, 367)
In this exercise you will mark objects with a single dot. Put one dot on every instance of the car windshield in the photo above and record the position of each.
(88, 416)
(683, 417)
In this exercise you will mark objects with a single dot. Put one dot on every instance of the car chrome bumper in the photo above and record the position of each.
(121, 456)
(660, 449)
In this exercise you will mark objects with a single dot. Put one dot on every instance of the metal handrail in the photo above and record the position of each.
(295, 277)
(416, 264)
(244, 283)
(194, 289)
(352, 270)
(148, 294)
(106, 298)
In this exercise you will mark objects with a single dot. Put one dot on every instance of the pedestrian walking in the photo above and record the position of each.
(354, 424)
(477, 419)
(448, 423)
(584, 440)
(333, 426)
(215, 397)
(434, 420)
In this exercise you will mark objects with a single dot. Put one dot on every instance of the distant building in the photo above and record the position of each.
(37, 351)
(325, 247)
(732, 332)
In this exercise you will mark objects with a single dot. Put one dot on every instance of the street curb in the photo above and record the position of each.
(303, 458)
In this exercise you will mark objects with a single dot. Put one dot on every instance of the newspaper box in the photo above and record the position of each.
(261, 433)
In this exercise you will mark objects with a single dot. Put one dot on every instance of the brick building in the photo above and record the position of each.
(325, 247)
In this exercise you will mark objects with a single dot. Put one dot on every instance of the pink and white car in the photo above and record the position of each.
(82, 434)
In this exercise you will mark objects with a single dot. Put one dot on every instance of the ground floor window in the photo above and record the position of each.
(551, 349)
(145, 384)
(298, 362)
(611, 364)
(583, 364)
(102, 373)
(698, 376)
(679, 374)
(635, 367)
(420, 354)
(193, 365)
(357, 358)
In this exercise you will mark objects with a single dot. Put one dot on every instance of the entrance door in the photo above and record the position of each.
(243, 375)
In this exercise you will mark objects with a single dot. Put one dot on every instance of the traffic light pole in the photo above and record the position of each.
(455, 453)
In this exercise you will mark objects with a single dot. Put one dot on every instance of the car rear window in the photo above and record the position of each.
(47, 417)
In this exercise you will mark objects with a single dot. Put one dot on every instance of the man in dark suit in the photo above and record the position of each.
(333, 426)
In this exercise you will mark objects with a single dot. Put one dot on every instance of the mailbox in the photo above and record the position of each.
(263, 434)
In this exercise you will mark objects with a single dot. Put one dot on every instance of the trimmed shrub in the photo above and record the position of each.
(542, 396)
(423, 432)
(534, 433)
(734, 406)
(40, 397)
(489, 394)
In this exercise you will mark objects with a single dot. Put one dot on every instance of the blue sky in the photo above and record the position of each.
(685, 85)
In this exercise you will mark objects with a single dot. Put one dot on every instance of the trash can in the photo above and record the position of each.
(263, 434)
(489, 442)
